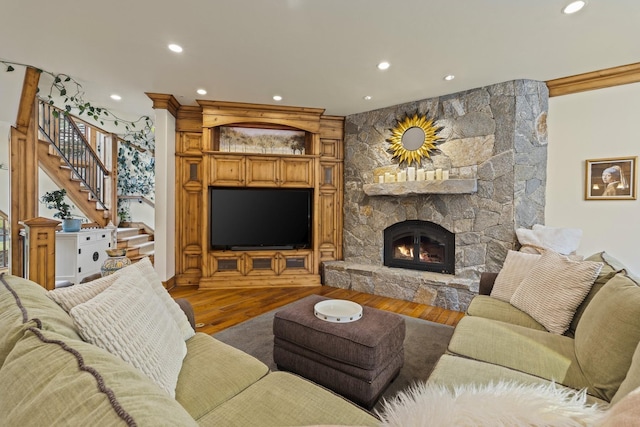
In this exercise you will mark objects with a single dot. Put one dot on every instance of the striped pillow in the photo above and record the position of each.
(554, 288)
(515, 268)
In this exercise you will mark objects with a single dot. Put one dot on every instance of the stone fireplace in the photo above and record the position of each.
(495, 149)
(419, 245)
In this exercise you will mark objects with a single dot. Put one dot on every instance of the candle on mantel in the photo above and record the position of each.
(430, 175)
(445, 174)
(380, 179)
(387, 177)
(420, 175)
(411, 174)
(402, 176)
(438, 173)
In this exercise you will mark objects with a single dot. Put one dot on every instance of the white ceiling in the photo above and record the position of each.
(314, 53)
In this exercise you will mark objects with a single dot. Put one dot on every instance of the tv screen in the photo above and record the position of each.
(260, 218)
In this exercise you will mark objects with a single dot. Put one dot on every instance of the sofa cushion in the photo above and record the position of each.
(129, 320)
(538, 353)
(492, 308)
(284, 399)
(610, 266)
(554, 288)
(453, 371)
(608, 334)
(22, 300)
(49, 379)
(515, 268)
(212, 373)
(631, 380)
(71, 296)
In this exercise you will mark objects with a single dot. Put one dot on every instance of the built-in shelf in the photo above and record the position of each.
(408, 188)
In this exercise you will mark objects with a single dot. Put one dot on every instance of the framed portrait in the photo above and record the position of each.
(611, 179)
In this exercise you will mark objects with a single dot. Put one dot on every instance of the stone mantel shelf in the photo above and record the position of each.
(408, 188)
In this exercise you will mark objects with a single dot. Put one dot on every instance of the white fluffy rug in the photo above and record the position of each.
(501, 404)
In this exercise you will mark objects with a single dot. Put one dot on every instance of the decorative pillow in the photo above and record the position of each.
(559, 239)
(496, 404)
(129, 320)
(554, 288)
(71, 296)
(515, 268)
(608, 334)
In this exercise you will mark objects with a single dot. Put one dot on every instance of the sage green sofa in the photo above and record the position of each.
(50, 376)
(600, 351)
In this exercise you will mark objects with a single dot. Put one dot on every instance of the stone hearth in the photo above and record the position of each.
(495, 136)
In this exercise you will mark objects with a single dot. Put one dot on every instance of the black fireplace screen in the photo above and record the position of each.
(420, 245)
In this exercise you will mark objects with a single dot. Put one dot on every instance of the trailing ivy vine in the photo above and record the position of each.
(136, 168)
(69, 92)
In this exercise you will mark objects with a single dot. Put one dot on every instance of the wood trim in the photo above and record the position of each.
(27, 99)
(169, 283)
(165, 102)
(608, 77)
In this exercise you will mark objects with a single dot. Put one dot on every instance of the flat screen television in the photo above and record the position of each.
(260, 218)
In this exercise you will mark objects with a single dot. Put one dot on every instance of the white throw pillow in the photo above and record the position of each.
(515, 268)
(71, 296)
(554, 288)
(129, 320)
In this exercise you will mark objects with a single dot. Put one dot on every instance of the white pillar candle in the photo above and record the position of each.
(392, 178)
(387, 177)
(445, 174)
(380, 179)
(420, 175)
(438, 173)
(430, 175)
(402, 176)
(411, 174)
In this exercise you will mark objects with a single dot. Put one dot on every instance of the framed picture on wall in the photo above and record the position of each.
(611, 179)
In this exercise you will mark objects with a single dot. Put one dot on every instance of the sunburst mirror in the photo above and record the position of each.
(414, 138)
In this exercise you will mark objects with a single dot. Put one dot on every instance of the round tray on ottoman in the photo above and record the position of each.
(338, 311)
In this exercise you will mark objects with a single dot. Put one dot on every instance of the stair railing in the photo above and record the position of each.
(69, 141)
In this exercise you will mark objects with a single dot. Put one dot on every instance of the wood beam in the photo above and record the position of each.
(601, 79)
(27, 98)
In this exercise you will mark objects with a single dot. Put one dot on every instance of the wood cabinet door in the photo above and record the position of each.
(227, 170)
(262, 171)
(296, 172)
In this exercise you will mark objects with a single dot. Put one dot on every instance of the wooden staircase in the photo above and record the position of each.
(138, 241)
(64, 177)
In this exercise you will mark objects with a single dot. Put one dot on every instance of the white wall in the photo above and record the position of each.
(5, 132)
(592, 125)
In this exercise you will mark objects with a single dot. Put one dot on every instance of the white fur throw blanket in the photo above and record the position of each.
(501, 404)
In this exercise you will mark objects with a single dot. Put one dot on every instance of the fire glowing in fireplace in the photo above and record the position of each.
(434, 254)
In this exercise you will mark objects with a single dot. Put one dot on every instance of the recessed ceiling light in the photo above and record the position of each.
(201, 92)
(574, 7)
(367, 98)
(383, 65)
(277, 98)
(175, 48)
(116, 97)
(449, 77)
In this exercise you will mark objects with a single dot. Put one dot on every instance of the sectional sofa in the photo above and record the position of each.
(49, 374)
(599, 351)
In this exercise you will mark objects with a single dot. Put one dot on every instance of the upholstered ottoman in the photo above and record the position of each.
(357, 359)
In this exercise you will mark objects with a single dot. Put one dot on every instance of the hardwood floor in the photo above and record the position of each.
(216, 309)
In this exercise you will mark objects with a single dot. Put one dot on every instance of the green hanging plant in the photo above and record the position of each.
(72, 96)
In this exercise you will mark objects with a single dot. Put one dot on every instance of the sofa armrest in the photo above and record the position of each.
(188, 310)
(486, 283)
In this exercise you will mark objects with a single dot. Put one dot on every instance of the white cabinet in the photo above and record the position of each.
(81, 254)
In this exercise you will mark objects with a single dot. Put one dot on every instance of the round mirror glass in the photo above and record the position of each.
(413, 138)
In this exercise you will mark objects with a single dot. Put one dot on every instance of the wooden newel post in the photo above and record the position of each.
(40, 251)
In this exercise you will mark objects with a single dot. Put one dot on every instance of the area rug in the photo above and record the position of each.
(424, 343)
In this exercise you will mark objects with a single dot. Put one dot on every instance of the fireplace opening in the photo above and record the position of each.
(420, 245)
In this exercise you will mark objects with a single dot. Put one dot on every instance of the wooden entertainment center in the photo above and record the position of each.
(201, 164)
